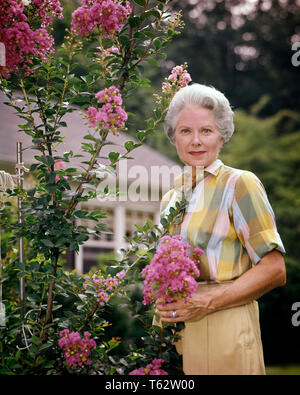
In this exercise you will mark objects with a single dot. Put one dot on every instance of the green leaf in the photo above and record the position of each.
(113, 156)
(157, 113)
(101, 227)
(124, 40)
(141, 134)
(149, 223)
(149, 13)
(90, 137)
(45, 346)
(141, 252)
(47, 242)
(89, 78)
(152, 62)
(50, 177)
(35, 340)
(150, 124)
(134, 21)
(129, 145)
(140, 2)
(155, 13)
(164, 222)
(47, 160)
(162, 55)
(81, 238)
(31, 219)
(139, 35)
(150, 34)
(81, 213)
(157, 43)
(143, 83)
(34, 166)
(31, 191)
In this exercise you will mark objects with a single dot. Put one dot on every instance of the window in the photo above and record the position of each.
(93, 255)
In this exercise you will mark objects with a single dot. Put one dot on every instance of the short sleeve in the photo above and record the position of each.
(254, 219)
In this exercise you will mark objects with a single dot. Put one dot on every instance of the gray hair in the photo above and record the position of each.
(206, 97)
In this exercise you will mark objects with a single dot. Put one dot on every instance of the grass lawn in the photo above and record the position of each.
(283, 369)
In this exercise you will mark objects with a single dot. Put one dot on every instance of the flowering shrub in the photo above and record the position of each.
(60, 306)
(76, 349)
(172, 271)
(151, 369)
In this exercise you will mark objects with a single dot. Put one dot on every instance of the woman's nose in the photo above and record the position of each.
(196, 139)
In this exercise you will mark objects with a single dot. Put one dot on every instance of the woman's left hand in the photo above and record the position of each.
(263, 277)
(185, 309)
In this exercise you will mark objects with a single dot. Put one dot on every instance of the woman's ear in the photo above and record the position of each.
(222, 144)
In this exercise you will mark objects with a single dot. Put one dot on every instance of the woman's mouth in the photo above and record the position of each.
(196, 153)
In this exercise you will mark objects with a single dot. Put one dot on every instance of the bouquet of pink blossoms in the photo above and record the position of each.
(172, 271)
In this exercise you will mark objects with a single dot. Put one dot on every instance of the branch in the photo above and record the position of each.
(87, 176)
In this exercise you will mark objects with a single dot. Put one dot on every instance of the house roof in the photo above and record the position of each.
(76, 128)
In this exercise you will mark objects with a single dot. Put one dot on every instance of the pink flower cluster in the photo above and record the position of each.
(109, 15)
(103, 286)
(172, 271)
(47, 9)
(76, 349)
(179, 76)
(110, 115)
(107, 52)
(151, 369)
(21, 42)
(60, 165)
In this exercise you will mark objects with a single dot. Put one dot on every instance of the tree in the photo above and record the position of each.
(58, 325)
(242, 48)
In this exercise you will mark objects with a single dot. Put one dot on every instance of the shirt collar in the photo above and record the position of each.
(214, 168)
(186, 178)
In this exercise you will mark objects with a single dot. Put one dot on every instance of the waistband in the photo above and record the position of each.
(207, 282)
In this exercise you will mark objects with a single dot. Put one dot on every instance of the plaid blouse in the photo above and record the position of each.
(229, 217)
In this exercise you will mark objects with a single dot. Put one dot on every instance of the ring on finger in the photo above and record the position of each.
(174, 314)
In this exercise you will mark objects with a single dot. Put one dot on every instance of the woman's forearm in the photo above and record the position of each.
(268, 274)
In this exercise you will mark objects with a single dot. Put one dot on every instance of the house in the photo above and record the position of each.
(142, 180)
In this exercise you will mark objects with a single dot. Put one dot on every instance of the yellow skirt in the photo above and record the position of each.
(227, 342)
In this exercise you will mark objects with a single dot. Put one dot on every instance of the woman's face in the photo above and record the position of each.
(197, 138)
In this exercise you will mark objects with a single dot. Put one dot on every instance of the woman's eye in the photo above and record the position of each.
(206, 131)
(185, 131)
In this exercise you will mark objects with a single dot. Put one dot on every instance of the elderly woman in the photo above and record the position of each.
(235, 227)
